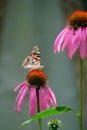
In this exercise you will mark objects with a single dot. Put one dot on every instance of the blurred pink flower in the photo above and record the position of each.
(73, 36)
(36, 81)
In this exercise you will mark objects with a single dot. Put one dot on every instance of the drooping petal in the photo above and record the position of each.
(59, 40)
(21, 100)
(20, 85)
(18, 97)
(51, 95)
(86, 38)
(33, 101)
(43, 103)
(75, 42)
(67, 39)
(47, 98)
(83, 45)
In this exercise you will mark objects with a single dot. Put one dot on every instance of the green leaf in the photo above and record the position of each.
(49, 112)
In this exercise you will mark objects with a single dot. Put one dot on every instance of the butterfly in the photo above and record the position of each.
(33, 60)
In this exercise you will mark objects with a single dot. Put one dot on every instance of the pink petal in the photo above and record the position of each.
(33, 101)
(47, 97)
(21, 100)
(43, 104)
(59, 40)
(67, 39)
(18, 97)
(51, 95)
(20, 92)
(75, 42)
(86, 38)
(83, 45)
(20, 85)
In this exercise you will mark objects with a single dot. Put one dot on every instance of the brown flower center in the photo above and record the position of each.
(37, 78)
(78, 19)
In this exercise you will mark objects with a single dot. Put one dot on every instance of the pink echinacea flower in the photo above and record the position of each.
(74, 35)
(36, 81)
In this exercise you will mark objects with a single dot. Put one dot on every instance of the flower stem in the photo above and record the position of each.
(81, 93)
(38, 110)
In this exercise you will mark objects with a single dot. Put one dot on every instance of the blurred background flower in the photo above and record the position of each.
(54, 124)
(74, 35)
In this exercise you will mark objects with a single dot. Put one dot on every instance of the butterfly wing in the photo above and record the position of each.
(33, 60)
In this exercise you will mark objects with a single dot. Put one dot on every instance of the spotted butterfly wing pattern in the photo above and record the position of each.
(33, 60)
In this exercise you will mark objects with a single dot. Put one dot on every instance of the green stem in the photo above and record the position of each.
(38, 110)
(81, 93)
